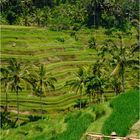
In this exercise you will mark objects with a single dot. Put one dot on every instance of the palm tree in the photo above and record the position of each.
(119, 56)
(78, 84)
(122, 56)
(115, 84)
(17, 73)
(43, 81)
(5, 81)
(95, 82)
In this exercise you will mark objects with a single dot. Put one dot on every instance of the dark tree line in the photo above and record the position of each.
(67, 14)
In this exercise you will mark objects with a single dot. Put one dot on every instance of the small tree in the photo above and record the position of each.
(115, 84)
(78, 84)
(118, 56)
(40, 80)
(95, 81)
(5, 81)
(17, 74)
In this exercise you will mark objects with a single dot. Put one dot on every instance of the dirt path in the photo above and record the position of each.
(96, 126)
(23, 112)
(135, 130)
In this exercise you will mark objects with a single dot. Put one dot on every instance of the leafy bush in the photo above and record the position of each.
(6, 121)
(92, 43)
(99, 111)
(60, 39)
(34, 118)
(125, 113)
(84, 102)
(77, 123)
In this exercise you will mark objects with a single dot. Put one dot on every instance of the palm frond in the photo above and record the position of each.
(135, 47)
(116, 70)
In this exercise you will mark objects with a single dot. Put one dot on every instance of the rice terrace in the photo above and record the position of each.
(69, 70)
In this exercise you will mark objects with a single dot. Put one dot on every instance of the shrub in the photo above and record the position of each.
(125, 113)
(60, 39)
(84, 102)
(77, 124)
(92, 43)
(99, 111)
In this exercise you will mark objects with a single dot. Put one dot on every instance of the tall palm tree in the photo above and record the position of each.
(123, 57)
(44, 81)
(115, 84)
(95, 81)
(5, 81)
(17, 76)
(78, 84)
(119, 56)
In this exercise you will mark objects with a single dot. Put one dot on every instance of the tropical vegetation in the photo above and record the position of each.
(68, 67)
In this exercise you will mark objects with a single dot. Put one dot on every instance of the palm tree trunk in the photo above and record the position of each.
(6, 98)
(80, 101)
(122, 79)
(123, 87)
(115, 91)
(122, 65)
(41, 112)
(18, 117)
(89, 99)
(41, 105)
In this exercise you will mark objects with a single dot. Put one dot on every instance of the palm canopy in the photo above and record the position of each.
(95, 81)
(4, 76)
(45, 78)
(120, 55)
(40, 79)
(17, 72)
(78, 84)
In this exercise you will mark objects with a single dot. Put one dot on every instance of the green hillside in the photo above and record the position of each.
(125, 114)
(62, 54)
(96, 118)
(68, 67)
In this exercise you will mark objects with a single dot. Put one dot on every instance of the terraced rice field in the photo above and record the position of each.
(62, 54)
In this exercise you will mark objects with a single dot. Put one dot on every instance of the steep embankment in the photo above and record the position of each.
(135, 130)
(125, 113)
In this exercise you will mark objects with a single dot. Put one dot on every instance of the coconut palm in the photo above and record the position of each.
(17, 73)
(95, 82)
(78, 84)
(5, 81)
(119, 56)
(43, 81)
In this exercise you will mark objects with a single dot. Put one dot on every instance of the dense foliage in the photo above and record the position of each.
(69, 14)
(76, 124)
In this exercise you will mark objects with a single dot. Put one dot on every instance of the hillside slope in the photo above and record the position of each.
(74, 124)
(125, 113)
(62, 53)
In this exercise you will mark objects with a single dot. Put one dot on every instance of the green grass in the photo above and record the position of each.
(70, 126)
(125, 113)
(96, 126)
(76, 125)
(35, 130)
(62, 59)
(118, 115)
